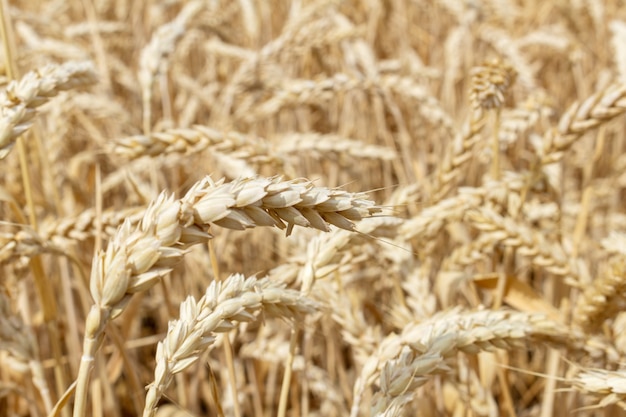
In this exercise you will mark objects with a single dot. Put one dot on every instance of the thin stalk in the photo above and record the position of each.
(505, 386)
(99, 49)
(284, 389)
(583, 213)
(228, 349)
(495, 146)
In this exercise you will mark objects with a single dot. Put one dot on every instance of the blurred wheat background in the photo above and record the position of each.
(313, 208)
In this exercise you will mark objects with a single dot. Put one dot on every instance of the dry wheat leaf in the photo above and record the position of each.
(518, 295)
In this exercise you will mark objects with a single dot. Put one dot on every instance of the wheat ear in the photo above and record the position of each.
(597, 109)
(185, 141)
(21, 99)
(441, 336)
(136, 259)
(235, 299)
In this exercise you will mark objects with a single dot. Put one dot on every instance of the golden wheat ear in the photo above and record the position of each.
(20, 100)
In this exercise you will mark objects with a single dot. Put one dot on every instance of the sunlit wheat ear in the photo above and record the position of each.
(138, 257)
(226, 303)
(442, 336)
(20, 100)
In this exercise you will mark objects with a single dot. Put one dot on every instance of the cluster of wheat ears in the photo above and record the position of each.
(312, 208)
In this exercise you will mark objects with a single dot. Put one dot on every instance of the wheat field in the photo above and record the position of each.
(303, 208)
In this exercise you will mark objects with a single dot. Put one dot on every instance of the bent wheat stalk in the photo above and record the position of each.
(137, 258)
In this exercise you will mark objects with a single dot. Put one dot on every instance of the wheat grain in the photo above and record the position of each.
(490, 82)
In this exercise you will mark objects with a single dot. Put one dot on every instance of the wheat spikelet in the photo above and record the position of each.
(56, 236)
(24, 243)
(457, 156)
(84, 225)
(325, 144)
(188, 141)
